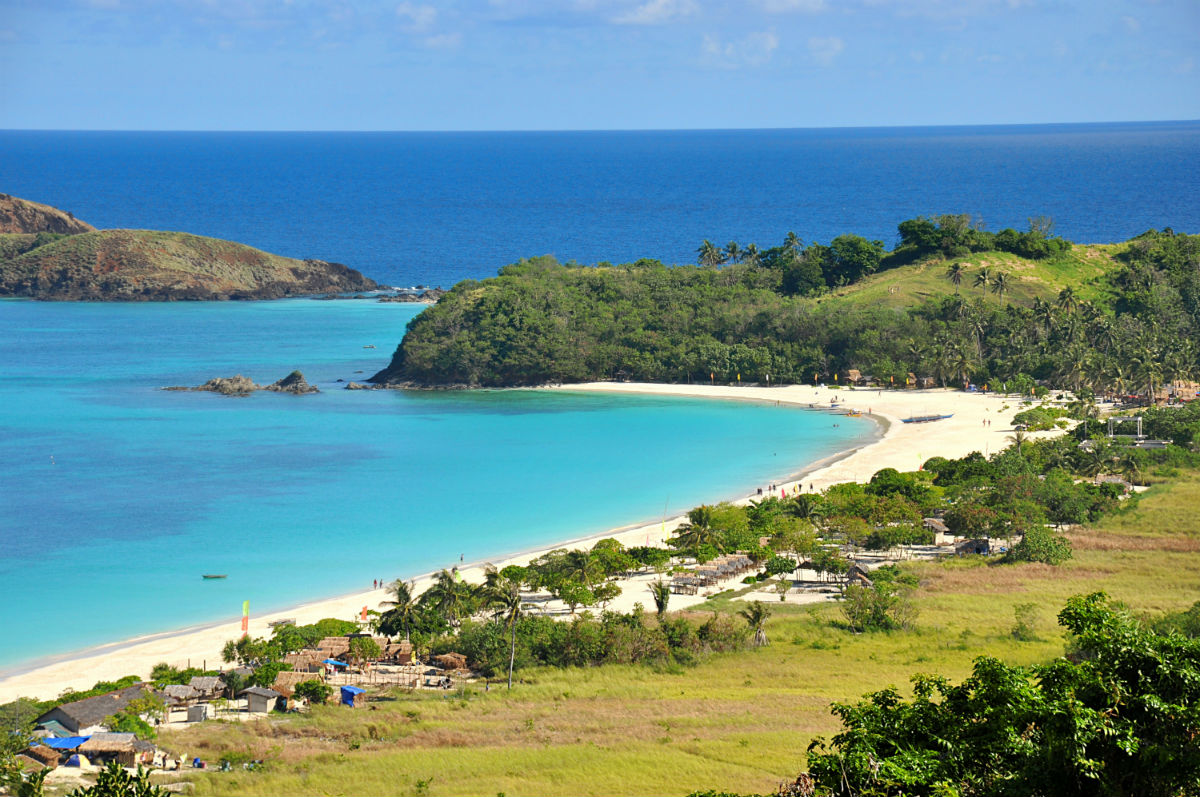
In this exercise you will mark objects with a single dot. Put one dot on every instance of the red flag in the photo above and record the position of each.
(363, 616)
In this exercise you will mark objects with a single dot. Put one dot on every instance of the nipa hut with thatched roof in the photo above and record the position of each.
(451, 661)
(285, 682)
(105, 747)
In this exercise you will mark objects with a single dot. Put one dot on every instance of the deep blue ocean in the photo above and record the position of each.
(115, 496)
(434, 208)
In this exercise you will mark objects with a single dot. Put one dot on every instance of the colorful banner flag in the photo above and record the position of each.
(363, 617)
(245, 618)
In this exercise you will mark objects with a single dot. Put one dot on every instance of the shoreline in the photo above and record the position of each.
(898, 445)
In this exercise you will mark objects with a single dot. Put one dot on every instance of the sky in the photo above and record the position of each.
(592, 64)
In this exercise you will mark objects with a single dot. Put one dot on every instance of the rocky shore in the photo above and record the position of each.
(239, 385)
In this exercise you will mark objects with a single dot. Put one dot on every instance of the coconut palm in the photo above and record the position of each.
(733, 252)
(984, 278)
(583, 566)
(661, 592)
(449, 596)
(710, 254)
(404, 607)
(1067, 301)
(698, 530)
(955, 274)
(1001, 284)
(503, 596)
(751, 255)
(756, 615)
(793, 243)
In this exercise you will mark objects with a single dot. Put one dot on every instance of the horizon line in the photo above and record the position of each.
(592, 130)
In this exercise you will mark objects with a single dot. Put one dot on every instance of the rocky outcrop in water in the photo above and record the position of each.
(239, 385)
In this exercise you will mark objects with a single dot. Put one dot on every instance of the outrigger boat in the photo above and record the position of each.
(852, 413)
(926, 418)
(212, 576)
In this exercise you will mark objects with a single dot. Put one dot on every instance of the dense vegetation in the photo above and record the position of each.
(781, 313)
(1119, 716)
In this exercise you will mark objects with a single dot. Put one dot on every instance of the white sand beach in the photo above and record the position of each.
(901, 446)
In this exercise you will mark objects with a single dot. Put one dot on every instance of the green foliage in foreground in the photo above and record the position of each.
(116, 781)
(1121, 718)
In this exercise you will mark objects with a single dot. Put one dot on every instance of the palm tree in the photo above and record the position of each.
(733, 252)
(710, 254)
(1000, 284)
(1067, 300)
(661, 591)
(983, 278)
(750, 255)
(698, 530)
(582, 565)
(448, 595)
(955, 274)
(756, 615)
(793, 243)
(503, 596)
(404, 608)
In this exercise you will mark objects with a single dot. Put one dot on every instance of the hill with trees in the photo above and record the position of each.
(950, 302)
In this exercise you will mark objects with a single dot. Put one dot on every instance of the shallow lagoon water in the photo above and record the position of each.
(117, 495)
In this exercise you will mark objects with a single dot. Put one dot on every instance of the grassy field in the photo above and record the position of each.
(737, 722)
(1081, 268)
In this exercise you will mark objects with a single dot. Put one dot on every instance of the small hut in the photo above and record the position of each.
(105, 747)
(333, 647)
(285, 683)
(182, 695)
(980, 547)
(398, 652)
(208, 687)
(45, 756)
(857, 575)
(259, 700)
(305, 661)
(451, 661)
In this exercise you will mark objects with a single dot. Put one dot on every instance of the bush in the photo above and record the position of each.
(1040, 544)
(313, 691)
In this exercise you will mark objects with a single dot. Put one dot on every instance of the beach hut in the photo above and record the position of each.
(208, 687)
(398, 652)
(45, 756)
(981, 546)
(304, 661)
(181, 694)
(102, 748)
(333, 647)
(259, 700)
(83, 717)
(857, 575)
(451, 661)
(285, 683)
(349, 693)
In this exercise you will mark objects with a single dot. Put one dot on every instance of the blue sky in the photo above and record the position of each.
(592, 64)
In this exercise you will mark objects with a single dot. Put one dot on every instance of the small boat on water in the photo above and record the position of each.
(211, 576)
(926, 418)
(852, 413)
(369, 346)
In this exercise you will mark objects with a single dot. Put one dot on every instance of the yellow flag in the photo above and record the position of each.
(245, 608)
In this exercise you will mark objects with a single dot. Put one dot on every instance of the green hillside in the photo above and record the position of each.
(1084, 268)
(1099, 317)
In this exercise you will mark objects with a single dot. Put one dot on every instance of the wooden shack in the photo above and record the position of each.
(259, 700)
(102, 748)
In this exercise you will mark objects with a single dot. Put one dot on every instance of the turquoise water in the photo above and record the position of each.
(115, 496)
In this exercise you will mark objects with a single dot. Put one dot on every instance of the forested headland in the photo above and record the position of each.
(950, 303)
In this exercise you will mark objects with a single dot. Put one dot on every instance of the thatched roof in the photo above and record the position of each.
(936, 525)
(451, 661)
(305, 659)
(334, 644)
(94, 710)
(42, 753)
(285, 682)
(180, 693)
(206, 683)
(108, 743)
(28, 763)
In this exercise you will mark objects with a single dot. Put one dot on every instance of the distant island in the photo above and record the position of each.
(48, 254)
(950, 304)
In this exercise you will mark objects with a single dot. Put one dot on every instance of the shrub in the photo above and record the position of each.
(314, 691)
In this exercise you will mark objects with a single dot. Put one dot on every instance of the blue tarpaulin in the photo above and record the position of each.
(348, 694)
(334, 662)
(67, 743)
